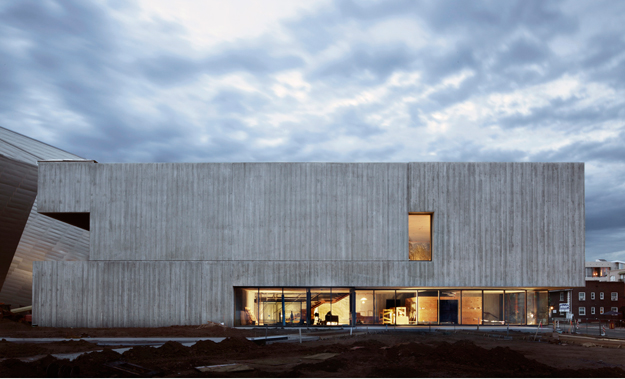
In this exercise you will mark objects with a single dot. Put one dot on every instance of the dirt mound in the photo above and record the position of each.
(205, 347)
(237, 345)
(20, 350)
(382, 355)
(15, 350)
(8, 326)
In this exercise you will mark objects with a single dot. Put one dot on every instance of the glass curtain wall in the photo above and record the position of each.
(427, 312)
(471, 307)
(493, 308)
(295, 306)
(385, 306)
(515, 307)
(365, 307)
(270, 306)
(246, 306)
(340, 307)
(333, 306)
(320, 304)
(537, 307)
(449, 306)
(406, 307)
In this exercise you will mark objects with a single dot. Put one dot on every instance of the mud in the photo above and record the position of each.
(398, 354)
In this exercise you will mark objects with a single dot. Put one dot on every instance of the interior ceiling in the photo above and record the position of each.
(419, 228)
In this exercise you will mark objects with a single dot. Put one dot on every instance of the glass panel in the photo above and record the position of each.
(537, 307)
(420, 237)
(471, 307)
(427, 303)
(295, 306)
(385, 307)
(515, 307)
(246, 306)
(364, 307)
(330, 306)
(340, 307)
(449, 306)
(320, 304)
(493, 308)
(406, 311)
(270, 306)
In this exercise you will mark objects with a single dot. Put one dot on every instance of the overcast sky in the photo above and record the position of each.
(224, 81)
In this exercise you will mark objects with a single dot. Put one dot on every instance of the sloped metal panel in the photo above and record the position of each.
(44, 239)
(28, 150)
(18, 188)
(25, 235)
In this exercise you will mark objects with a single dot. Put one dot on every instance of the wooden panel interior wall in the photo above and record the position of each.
(471, 310)
(428, 309)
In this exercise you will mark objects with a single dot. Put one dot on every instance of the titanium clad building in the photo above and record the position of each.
(312, 243)
(25, 235)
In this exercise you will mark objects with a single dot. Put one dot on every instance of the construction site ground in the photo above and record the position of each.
(332, 353)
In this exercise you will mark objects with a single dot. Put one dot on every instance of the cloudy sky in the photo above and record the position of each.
(223, 81)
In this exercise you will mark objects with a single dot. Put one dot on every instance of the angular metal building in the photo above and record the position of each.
(312, 243)
(25, 234)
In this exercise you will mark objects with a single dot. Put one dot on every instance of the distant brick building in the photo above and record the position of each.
(590, 302)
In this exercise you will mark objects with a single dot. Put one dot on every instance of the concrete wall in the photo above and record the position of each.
(210, 227)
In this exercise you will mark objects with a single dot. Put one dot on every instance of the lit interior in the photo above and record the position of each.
(420, 237)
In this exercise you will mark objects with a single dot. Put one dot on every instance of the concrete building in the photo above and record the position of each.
(311, 243)
(25, 234)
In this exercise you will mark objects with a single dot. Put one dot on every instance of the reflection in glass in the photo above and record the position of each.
(270, 306)
(420, 237)
(246, 306)
(320, 304)
(385, 307)
(364, 307)
(427, 312)
(449, 306)
(407, 307)
(493, 308)
(537, 307)
(515, 307)
(471, 307)
(340, 307)
(330, 306)
(295, 306)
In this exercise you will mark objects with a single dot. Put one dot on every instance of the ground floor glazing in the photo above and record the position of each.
(284, 306)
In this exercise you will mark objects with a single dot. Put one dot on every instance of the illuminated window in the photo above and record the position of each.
(600, 310)
(420, 237)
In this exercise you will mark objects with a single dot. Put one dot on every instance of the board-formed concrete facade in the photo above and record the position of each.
(169, 242)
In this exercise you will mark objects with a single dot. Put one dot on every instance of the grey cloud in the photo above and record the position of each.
(172, 69)
(365, 64)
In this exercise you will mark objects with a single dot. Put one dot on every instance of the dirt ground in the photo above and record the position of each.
(389, 354)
